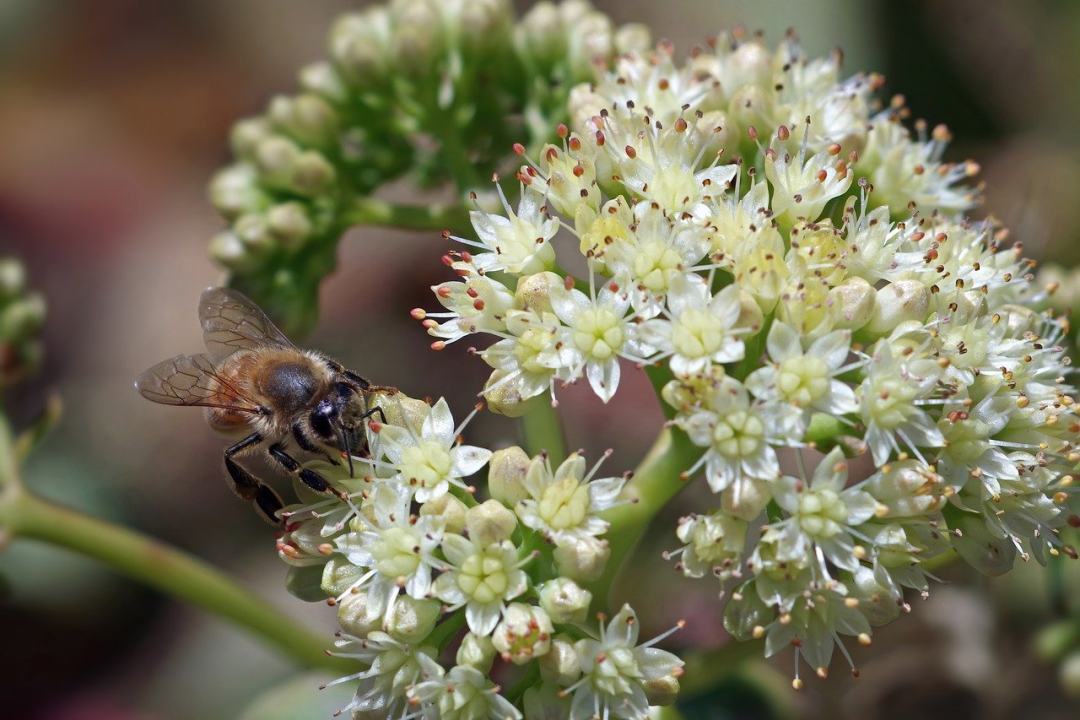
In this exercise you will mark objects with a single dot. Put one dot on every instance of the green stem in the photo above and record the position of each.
(165, 568)
(438, 216)
(543, 430)
(656, 481)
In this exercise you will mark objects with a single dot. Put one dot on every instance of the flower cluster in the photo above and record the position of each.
(800, 265)
(413, 85)
(22, 313)
(448, 603)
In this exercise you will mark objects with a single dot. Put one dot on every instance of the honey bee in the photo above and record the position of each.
(255, 384)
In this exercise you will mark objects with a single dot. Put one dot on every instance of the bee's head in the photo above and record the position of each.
(337, 419)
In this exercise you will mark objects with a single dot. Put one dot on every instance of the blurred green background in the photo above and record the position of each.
(114, 114)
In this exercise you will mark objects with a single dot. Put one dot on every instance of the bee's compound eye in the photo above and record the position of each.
(322, 419)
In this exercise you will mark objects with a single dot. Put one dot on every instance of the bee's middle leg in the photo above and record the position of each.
(309, 477)
(247, 486)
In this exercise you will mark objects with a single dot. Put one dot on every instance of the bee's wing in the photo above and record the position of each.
(231, 322)
(192, 380)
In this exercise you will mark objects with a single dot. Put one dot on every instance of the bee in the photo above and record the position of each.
(276, 398)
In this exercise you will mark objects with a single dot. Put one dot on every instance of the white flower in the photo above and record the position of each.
(618, 672)
(803, 186)
(515, 242)
(393, 668)
(566, 504)
(431, 461)
(712, 544)
(528, 360)
(480, 578)
(464, 693)
(395, 550)
(598, 331)
(806, 379)
(475, 304)
(739, 436)
(889, 401)
(524, 633)
(699, 328)
(822, 514)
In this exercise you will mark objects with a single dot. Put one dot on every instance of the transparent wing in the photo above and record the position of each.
(231, 323)
(192, 380)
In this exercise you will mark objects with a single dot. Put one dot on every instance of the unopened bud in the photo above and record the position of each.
(489, 522)
(448, 508)
(898, 302)
(582, 558)
(476, 651)
(851, 304)
(311, 174)
(633, 38)
(289, 223)
(235, 190)
(506, 475)
(412, 620)
(560, 665)
(565, 601)
(359, 44)
(534, 291)
(356, 615)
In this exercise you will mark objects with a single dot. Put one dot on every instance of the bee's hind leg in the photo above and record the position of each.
(309, 477)
(267, 502)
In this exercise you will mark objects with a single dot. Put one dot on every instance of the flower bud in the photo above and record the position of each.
(253, 232)
(541, 33)
(489, 522)
(582, 558)
(275, 158)
(359, 44)
(235, 191)
(247, 135)
(898, 302)
(12, 278)
(565, 601)
(505, 398)
(311, 174)
(750, 64)
(229, 250)
(477, 651)
(412, 620)
(877, 601)
(289, 223)
(746, 497)
(506, 475)
(322, 79)
(485, 23)
(534, 291)
(591, 38)
(664, 689)
(307, 118)
(906, 489)
(851, 304)
(523, 634)
(560, 665)
(450, 509)
(633, 38)
(417, 37)
(338, 575)
(1070, 674)
(356, 616)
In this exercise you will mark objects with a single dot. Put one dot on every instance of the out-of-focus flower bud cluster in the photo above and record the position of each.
(416, 564)
(22, 313)
(439, 88)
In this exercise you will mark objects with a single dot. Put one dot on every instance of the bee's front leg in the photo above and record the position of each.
(309, 477)
(247, 486)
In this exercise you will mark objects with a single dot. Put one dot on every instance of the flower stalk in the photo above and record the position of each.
(161, 566)
(372, 211)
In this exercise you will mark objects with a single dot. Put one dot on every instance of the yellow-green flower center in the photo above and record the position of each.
(564, 503)
(821, 513)
(483, 577)
(697, 333)
(738, 434)
(426, 464)
(802, 380)
(598, 333)
(654, 264)
(396, 553)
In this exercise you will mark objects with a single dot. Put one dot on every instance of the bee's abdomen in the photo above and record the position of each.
(288, 385)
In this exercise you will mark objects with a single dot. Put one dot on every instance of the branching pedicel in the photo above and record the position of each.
(792, 260)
